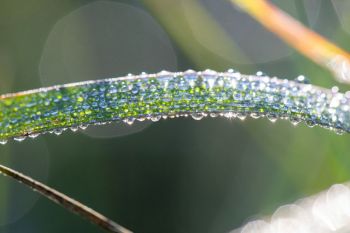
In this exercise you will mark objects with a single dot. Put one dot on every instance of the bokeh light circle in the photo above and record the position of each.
(105, 39)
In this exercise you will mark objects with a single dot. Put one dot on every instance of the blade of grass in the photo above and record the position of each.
(65, 201)
(312, 45)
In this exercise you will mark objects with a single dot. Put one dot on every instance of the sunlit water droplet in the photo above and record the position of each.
(58, 131)
(272, 118)
(129, 121)
(339, 131)
(295, 121)
(335, 89)
(241, 116)
(141, 119)
(3, 141)
(20, 138)
(156, 118)
(311, 124)
(34, 135)
(74, 128)
(302, 79)
(197, 116)
(83, 127)
(255, 115)
(230, 115)
(260, 74)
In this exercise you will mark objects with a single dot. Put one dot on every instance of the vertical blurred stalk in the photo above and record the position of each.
(175, 17)
(307, 42)
(4, 189)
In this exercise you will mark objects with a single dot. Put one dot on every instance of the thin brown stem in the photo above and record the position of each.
(65, 201)
(306, 41)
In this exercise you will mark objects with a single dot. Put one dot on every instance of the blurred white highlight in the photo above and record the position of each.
(341, 68)
(326, 212)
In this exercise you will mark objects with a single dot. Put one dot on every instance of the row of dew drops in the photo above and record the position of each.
(195, 115)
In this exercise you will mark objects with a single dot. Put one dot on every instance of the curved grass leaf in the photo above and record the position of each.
(169, 95)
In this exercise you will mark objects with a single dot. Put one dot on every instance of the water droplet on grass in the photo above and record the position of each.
(197, 116)
(156, 118)
(241, 116)
(20, 138)
(34, 135)
(3, 141)
(74, 128)
(272, 117)
(58, 131)
(83, 127)
(255, 115)
(129, 121)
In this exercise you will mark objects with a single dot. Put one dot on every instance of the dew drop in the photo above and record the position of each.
(58, 131)
(34, 135)
(19, 139)
(302, 79)
(164, 73)
(242, 116)
(335, 102)
(259, 73)
(334, 118)
(83, 127)
(100, 123)
(213, 114)
(191, 77)
(335, 89)
(129, 121)
(209, 77)
(197, 116)
(255, 115)
(74, 128)
(272, 118)
(156, 118)
(339, 131)
(310, 124)
(141, 119)
(3, 141)
(230, 115)
(295, 121)
(347, 94)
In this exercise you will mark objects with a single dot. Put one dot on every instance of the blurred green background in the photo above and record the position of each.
(176, 175)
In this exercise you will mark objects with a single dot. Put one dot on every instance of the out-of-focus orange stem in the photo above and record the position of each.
(307, 42)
